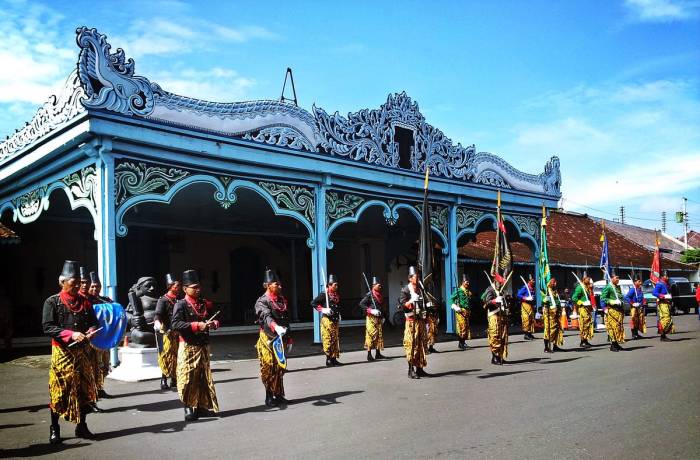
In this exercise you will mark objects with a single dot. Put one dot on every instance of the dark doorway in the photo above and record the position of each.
(404, 138)
(246, 284)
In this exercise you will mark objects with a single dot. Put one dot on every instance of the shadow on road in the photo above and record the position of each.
(525, 361)
(318, 400)
(682, 339)
(458, 372)
(36, 408)
(169, 427)
(156, 406)
(491, 375)
(14, 425)
(36, 450)
(566, 360)
(638, 347)
(236, 379)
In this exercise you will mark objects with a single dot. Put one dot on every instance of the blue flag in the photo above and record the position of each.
(605, 257)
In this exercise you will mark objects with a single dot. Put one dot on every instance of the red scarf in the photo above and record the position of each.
(170, 296)
(199, 306)
(279, 303)
(76, 303)
(377, 297)
(333, 296)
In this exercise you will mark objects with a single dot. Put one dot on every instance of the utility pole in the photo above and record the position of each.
(622, 214)
(685, 222)
(663, 221)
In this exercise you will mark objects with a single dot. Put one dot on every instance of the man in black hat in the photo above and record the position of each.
(101, 362)
(611, 297)
(372, 305)
(70, 321)
(273, 317)
(412, 302)
(193, 319)
(167, 358)
(495, 305)
(526, 296)
(664, 311)
(328, 304)
(461, 304)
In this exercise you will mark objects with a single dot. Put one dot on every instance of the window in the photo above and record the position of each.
(404, 138)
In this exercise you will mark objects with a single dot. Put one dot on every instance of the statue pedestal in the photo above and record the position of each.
(136, 364)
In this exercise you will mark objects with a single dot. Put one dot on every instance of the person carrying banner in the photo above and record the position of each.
(494, 303)
(615, 316)
(101, 363)
(273, 316)
(167, 356)
(526, 296)
(412, 303)
(193, 319)
(635, 297)
(371, 305)
(328, 303)
(461, 304)
(664, 308)
(551, 304)
(70, 321)
(432, 320)
(584, 306)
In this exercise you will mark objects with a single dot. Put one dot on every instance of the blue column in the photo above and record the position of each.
(451, 268)
(318, 259)
(105, 227)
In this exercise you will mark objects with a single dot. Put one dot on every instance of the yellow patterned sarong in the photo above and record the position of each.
(194, 381)
(100, 366)
(414, 339)
(585, 321)
(432, 324)
(614, 323)
(167, 359)
(498, 335)
(527, 315)
(71, 380)
(330, 336)
(462, 320)
(665, 318)
(552, 327)
(374, 338)
(271, 373)
(638, 319)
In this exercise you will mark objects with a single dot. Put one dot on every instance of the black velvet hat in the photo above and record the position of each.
(169, 280)
(83, 274)
(190, 277)
(332, 279)
(71, 269)
(271, 277)
(375, 280)
(613, 274)
(94, 279)
(465, 278)
(412, 271)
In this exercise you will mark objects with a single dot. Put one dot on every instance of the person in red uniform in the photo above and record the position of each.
(192, 320)
(69, 320)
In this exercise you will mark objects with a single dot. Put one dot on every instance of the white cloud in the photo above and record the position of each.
(662, 10)
(216, 84)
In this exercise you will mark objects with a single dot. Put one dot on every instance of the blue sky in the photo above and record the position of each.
(612, 87)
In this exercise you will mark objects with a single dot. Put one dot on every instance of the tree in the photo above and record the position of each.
(691, 256)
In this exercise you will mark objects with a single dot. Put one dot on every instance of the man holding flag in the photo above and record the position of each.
(553, 335)
(527, 308)
(615, 316)
(661, 292)
(501, 270)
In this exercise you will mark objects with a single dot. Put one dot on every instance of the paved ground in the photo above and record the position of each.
(641, 403)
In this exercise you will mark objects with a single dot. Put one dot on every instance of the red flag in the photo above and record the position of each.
(656, 264)
(502, 263)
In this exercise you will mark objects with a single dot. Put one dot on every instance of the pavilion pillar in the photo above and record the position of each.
(318, 259)
(451, 268)
(295, 299)
(105, 226)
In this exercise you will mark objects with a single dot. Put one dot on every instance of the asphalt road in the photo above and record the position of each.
(641, 403)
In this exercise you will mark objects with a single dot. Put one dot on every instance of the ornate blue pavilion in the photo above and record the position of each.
(163, 182)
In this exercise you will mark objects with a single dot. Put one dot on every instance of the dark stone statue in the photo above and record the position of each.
(142, 310)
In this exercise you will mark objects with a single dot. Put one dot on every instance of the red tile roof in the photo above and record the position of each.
(573, 239)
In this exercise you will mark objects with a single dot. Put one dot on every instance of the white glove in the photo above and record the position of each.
(615, 302)
(538, 315)
(280, 330)
(414, 297)
(668, 296)
(289, 347)
(636, 304)
(455, 308)
(587, 303)
(528, 298)
(157, 326)
(498, 299)
(562, 303)
(374, 312)
(326, 311)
